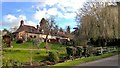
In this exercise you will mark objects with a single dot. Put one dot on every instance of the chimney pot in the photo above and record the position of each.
(37, 26)
(21, 22)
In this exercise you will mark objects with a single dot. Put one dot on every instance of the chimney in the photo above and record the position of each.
(21, 23)
(37, 27)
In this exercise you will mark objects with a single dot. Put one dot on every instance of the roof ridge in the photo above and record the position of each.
(29, 25)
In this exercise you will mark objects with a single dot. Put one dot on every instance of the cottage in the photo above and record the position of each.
(25, 31)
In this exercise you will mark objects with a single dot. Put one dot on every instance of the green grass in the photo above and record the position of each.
(24, 55)
(83, 60)
(22, 52)
(22, 45)
(29, 45)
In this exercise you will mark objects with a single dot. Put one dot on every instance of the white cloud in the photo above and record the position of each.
(19, 10)
(60, 8)
(9, 21)
(51, 2)
(52, 11)
(69, 15)
(31, 23)
(13, 18)
(33, 6)
(70, 3)
(22, 17)
(12, 21)
(23, 0)
(10, 18)
(39, 14)
(61, 15)
(39, 5)
(54, 1)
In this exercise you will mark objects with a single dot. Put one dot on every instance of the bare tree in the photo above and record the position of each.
(50, 24)
(55, 30)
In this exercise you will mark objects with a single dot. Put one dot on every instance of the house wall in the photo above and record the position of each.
(38, 35)
(41, 36)
(32, 35)
(21, 35)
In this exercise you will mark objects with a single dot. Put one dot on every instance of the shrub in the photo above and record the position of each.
(78, 51)
(53, 56)
(85, 52)
(97, 51)
(70, 43)
(19, 41)
(69, 51)
(90, 50)
(29, 40)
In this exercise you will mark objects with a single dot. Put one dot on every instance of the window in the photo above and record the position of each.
(30, 36)
(34, 36)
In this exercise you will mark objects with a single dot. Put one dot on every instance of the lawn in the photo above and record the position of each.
(23, 52)
(24, 55)
(28, 45)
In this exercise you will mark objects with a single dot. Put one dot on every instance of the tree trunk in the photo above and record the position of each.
(46, 43)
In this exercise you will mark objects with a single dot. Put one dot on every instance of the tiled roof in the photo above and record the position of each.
(27, 28)
(61, 34)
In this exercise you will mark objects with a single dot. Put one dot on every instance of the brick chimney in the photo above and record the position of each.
(37, 27)
(21, 23)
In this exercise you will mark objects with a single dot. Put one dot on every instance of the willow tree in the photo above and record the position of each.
(118, 3)
(98, 19)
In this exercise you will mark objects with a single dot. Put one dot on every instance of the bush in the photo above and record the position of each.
(84, 51)
(53, 56)
(90, 50)
(19, 41)
(70, 43)
(69, 51)
(78, 51)
(29, 40)
(98, 51)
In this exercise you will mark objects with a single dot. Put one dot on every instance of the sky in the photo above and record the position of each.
(64, 12)
(32, 11)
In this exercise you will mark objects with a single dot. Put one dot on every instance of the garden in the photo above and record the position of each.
(26, 54)
(96, 36)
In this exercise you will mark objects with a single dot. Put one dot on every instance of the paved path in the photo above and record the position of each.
(110, 61)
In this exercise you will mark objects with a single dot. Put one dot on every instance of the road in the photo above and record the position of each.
(110, 61)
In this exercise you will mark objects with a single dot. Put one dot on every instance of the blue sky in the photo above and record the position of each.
(32, 12)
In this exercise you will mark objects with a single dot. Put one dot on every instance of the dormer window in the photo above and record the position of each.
(30, 30)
